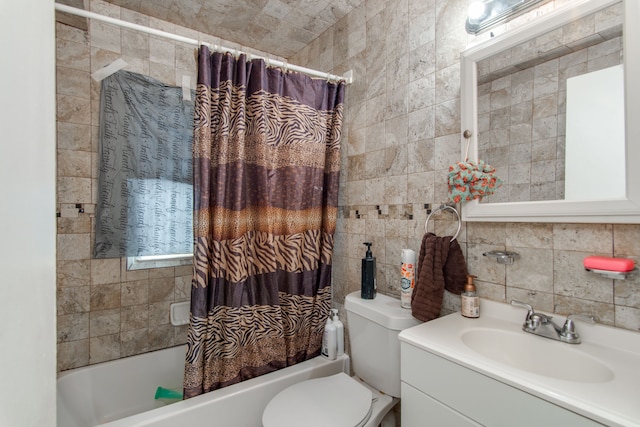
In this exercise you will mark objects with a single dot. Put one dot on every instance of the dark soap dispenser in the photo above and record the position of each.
(368, 284)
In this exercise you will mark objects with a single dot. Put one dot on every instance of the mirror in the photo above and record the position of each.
(498, 60)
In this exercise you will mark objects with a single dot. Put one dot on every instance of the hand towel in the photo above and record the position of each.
(441, 265)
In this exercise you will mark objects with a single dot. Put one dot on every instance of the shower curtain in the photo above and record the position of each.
(266, 165)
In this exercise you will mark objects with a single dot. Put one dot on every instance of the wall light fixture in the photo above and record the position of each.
(485, 13)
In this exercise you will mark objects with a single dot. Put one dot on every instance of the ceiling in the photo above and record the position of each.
(278, 27)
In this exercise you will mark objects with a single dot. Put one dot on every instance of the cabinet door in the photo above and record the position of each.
(419, 410)
(479, 397)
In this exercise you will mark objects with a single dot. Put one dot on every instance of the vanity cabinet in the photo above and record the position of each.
(437, 392)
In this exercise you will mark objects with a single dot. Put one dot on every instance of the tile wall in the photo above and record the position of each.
(104, 311)
(402, 133)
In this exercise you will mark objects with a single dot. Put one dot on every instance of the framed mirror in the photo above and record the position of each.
(515, 90)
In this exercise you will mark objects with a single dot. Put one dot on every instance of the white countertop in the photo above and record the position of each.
(614, 401)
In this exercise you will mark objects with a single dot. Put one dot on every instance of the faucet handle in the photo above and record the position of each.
(584, 317)
(529, 320)
(568, 333)
(529, 308)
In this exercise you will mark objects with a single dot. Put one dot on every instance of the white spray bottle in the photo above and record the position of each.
(339, 332)
(407, 277)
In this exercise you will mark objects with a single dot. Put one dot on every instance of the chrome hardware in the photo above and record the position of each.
(568, 333)
(440, 209)
(503, 257)
(530, 312)
(617, 275)
(542, 325)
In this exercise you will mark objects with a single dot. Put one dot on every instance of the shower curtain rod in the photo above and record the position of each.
(348, 77)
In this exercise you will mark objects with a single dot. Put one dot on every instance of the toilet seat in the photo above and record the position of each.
(335, 401)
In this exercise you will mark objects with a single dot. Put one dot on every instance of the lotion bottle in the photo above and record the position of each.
(329, 341)
(339, 332)
(470, 302)
(368, 282)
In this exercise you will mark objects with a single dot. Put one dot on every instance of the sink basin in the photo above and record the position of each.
(545, 357)
(598, 379)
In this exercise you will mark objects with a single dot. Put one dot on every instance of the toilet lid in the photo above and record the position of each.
(335, 401)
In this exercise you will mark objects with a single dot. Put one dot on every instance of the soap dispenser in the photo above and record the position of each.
(470, 302)
(329, 340)
(368, 282)
(339, 332)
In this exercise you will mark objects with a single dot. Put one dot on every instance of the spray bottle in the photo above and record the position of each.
(407, 277)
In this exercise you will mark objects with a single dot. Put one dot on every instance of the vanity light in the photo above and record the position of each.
(477, 11)
(483, 14)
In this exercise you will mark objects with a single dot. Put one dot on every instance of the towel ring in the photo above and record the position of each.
(442, 208)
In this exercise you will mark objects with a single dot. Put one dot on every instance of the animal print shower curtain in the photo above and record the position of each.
(266, 165)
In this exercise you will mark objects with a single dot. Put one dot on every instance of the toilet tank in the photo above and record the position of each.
(373, 327)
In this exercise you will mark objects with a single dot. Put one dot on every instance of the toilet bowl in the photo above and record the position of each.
(364, 400)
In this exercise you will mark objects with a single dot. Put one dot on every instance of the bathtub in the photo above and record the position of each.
(121, 393)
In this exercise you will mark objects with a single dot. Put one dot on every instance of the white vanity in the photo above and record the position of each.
(459, 372)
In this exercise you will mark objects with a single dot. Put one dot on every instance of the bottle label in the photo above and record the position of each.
(470, 306)
(407, 283)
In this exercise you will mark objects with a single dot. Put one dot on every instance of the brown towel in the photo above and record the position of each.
(441, 266)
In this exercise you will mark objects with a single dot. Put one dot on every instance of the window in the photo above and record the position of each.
(145, 190)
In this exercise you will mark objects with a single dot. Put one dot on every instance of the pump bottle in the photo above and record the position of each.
(368, 282)
(329, 340)
(339, 332)
(469, 300)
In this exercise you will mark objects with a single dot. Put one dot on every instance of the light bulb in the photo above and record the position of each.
(476, 10)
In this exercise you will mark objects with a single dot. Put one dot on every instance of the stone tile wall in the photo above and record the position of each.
(402, 133)
(104, 311)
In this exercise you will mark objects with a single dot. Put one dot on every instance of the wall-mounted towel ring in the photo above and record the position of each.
(442, 208)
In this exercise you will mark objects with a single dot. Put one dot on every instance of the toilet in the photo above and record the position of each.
(364, 400)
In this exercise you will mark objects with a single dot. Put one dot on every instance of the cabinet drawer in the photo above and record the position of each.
(419, 410)
(479, 397)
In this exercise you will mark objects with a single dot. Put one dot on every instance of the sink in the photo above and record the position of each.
(544, 357)
(598, 379)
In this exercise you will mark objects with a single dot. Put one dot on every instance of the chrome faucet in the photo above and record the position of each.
(542, 325)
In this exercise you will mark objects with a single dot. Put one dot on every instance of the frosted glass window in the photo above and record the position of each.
(145, 190)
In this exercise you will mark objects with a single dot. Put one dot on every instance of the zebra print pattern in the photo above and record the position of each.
(263, 127)
(292, 327)
(266, 170)
(257, 253)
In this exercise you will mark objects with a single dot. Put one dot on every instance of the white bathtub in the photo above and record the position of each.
(121, 393)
